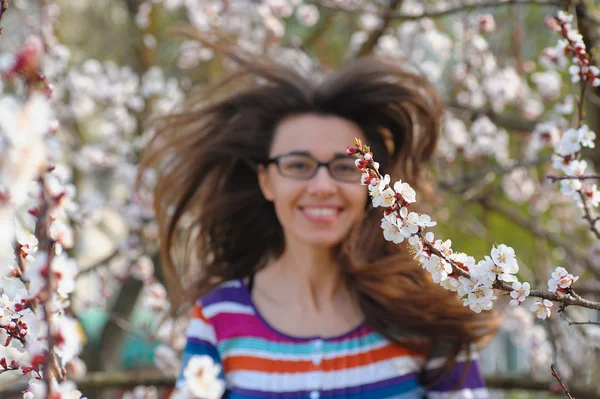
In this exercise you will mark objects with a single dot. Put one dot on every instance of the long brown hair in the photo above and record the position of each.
(211, 211)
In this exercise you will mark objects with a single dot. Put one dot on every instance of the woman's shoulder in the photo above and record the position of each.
(229, 297)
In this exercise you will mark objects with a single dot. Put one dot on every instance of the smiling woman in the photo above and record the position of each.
(296, 292)
(316, 207)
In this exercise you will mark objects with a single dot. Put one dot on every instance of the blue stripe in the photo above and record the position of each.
(307, 348)
(404, 387)
(395, 392)
(196, 346)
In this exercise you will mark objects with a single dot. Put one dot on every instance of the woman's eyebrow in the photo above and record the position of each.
(298, 153)
(341, 155)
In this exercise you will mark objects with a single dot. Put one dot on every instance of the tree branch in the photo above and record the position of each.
(100, 263)
(539, 231)
(570, 299)
(374, 37)
(560, 381)
(3, 8)
(588, 215)
(131, 379)
(443, 13)
(508, 122)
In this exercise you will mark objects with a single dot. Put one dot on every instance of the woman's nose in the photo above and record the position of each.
(322, 184)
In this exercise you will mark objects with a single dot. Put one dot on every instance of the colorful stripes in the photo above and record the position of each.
(260, 362)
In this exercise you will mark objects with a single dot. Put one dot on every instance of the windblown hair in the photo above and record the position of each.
(211, 211)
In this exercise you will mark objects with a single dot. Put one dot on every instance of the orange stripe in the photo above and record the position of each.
(251, 363)
(197, 313)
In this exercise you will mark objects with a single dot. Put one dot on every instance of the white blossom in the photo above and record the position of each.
(406, 191)
(561, 280)
(519, 293)
(439, 268)
(506, 262)
(542, 309)
(450, 284)
(570, 142)
(424, 220)
(480, 298)
(202, 377)
(484, 272)
(587, 137)
(392, 229)
(307, 14)
(410, 224)
(27, 241)
(382, 196)
(445, 247)
(570, 186)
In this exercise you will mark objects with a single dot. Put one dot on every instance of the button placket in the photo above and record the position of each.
(317, 357)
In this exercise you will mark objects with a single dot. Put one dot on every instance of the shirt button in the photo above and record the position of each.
(316, 359)
(318, 344)
(314, 394)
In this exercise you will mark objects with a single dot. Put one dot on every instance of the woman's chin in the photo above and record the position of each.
(320, 240)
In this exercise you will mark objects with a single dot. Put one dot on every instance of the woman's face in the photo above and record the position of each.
(317, 210)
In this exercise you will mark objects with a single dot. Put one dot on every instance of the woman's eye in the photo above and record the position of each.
(346, 168)
(297, 166)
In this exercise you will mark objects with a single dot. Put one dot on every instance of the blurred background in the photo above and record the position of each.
(116, 64)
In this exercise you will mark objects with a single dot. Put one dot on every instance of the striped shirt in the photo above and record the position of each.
(260, 362)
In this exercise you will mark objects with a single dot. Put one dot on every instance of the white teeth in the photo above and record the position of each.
(320, 211)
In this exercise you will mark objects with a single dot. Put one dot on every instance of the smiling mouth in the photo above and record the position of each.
(321, 214)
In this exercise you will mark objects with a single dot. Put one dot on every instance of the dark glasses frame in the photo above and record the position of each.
(277, 161)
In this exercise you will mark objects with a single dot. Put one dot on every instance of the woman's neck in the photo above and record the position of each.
(309, 276)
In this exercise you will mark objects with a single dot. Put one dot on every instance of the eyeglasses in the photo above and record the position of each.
(305, 167)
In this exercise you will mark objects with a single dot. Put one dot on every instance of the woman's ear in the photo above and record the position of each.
(264, 181)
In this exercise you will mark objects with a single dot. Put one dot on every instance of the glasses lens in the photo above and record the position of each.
(344, 169)
(297, 166)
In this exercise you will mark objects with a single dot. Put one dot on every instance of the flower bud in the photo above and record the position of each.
(361, 163)
(28, 59)
(350, 150)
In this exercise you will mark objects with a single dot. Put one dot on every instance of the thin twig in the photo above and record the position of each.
(560, 381)
(102, 262)
(580, 323)
(441, 13)
(587, 215)
(514, 124)
(3, 8)
(466, 180)
(555, 178)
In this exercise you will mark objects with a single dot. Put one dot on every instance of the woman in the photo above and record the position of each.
(296, 292)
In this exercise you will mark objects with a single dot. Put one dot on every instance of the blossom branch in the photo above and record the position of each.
(567, 152)
(458, 272)
(571, 299)
(47, 245)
